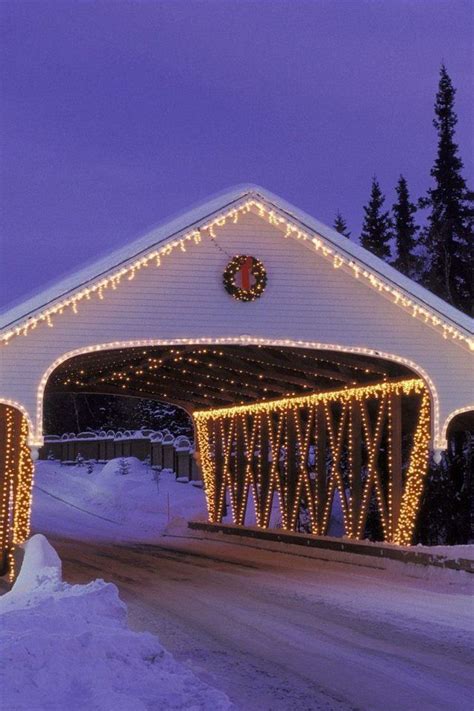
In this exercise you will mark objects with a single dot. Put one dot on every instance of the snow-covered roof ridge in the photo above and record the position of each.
(197, 217)
(159, 235)
(374, 263)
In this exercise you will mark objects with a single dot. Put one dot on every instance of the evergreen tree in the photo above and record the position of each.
(445, 516)
(340, 225)
(123, 466)
(65, 412)
(405, 231)
(448, 236)
(376, 230)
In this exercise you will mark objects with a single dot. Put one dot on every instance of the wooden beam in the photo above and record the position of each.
(142, 362)
(355, 458)
(321, 475)
(264, 465)
(240, 471)
(173, 379)
(395, 452)
(208, 376)
(291, 470)
(296, 364)
(272, 379)
(355, 361)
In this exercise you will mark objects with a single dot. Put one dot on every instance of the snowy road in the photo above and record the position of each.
(279, 632)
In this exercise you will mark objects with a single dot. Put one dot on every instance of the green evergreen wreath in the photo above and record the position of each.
(258, 272)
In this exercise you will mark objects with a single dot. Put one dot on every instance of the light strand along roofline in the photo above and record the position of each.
(349, 259)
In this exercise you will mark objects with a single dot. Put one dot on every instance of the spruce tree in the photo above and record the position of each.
(376, 230)
(448, 236)
(340, 225)
(405, 231)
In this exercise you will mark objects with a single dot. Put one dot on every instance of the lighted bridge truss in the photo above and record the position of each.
(305, 449)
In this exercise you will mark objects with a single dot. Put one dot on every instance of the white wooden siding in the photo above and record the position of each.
(305, 300)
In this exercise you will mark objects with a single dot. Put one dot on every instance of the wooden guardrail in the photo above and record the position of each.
(386, 551)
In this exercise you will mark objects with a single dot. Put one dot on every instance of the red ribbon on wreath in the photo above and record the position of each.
(253, 278)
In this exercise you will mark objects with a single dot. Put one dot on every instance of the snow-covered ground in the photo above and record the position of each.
(69, 647)
(106, 505)
(279, 632)
(109, 506)
(312, 630)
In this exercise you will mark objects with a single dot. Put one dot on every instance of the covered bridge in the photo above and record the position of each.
(305, 361)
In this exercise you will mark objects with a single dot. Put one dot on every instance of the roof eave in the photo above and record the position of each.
(197, 216)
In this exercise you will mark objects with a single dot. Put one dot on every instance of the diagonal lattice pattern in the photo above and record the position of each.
(303, 451)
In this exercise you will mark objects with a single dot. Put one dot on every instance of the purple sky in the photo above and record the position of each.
(116, 115)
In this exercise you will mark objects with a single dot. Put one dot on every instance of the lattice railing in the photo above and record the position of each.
(304, 451)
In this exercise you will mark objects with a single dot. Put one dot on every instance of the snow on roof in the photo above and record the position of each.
(168, 231)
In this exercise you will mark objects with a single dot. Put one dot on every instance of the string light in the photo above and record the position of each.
(18, 406)
(303, 484)
(451, 416)
(249, 477)
(278, 416)
(15, 508)
(289, 228)
(275, 437)
(227, 440)
(36, 435)
(245, 293)
(282, 404)
(352, 474)
(5, 512)
(335, 480)
(415, 476)
(373, 477)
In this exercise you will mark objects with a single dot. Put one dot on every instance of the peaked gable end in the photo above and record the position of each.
(341, 255)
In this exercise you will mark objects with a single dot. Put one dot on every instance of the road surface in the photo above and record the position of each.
(281, 632)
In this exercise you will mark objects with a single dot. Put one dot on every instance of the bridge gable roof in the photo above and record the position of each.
(340, 250)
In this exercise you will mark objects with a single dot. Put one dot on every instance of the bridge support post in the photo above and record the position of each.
(16, 479)
(321, 474)
(395, 462)
(355, 463)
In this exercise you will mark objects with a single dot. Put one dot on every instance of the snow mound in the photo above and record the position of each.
(122, 483)
(41, 567)
(105, 504)
(69, 647)
(133, 466)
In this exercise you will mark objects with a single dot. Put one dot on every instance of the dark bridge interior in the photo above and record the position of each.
(207, 376)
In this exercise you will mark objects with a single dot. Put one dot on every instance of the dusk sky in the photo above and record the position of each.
(116, 115)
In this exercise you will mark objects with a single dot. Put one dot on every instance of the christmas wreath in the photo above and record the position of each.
(249, 267)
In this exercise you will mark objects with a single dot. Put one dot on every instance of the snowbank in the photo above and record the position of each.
(109, 505)
(106, 505)
(69, 647)
(41, 567)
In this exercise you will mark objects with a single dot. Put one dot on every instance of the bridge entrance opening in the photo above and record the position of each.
(286, 437)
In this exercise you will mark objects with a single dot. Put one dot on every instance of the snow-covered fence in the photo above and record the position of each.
(156, 454)
(67, 447)
(182, 457)
(59, 447)
(132, 444)
(162, 449)
(51, 448)
(107, 446)
(168, 451)
(87, 445)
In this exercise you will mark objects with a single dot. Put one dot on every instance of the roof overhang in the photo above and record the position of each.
(204, 221)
